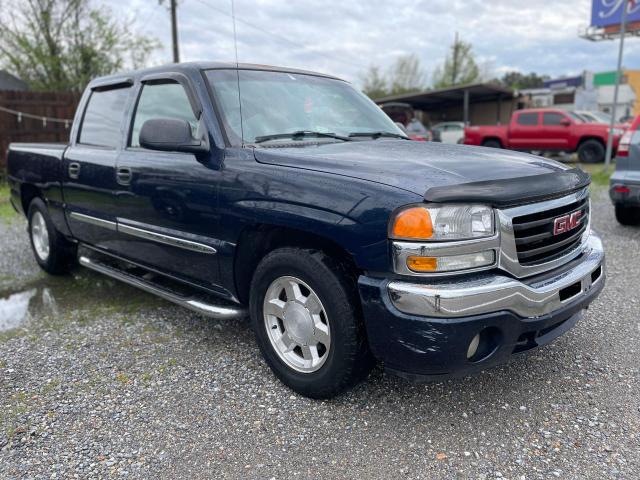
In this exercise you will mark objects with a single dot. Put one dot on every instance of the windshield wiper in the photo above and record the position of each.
(300, 134)
(376, 135)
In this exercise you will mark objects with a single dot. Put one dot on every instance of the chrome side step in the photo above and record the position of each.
(198, 303)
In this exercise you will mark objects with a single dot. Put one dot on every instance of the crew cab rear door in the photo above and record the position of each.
(166, 202)
(88, 175)
(556, 130)
(524, 131)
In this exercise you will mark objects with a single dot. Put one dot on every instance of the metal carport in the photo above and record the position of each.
(495, 102)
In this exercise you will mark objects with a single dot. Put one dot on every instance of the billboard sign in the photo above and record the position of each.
(566, 82)
(605, 13)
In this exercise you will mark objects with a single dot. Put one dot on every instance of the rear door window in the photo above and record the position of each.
(162, 100)
(103, 118)
(528, 119)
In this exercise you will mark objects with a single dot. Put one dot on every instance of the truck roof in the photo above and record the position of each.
(191, 66)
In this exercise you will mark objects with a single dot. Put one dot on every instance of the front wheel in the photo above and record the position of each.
(307, 321)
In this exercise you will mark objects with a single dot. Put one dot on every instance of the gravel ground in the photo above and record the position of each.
(98, 380)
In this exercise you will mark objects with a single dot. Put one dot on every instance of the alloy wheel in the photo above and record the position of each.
(297, 324)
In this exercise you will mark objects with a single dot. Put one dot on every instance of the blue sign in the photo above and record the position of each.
(564, 82)
(609, 12)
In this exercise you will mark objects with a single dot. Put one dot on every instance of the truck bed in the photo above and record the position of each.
(478, 134)
(38, 165)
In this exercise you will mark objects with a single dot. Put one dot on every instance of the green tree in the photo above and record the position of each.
(406, 75)
(518, 80)
(60, 45)
(374, 84)
(459, 67)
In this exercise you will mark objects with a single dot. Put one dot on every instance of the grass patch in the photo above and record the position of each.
(11, 334)
(123, 378)
(7, 213)
(599, 173)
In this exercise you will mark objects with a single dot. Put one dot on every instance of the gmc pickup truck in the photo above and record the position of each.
(291, 197)
(546, 130)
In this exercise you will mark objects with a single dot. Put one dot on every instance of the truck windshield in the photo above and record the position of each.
(279, 106)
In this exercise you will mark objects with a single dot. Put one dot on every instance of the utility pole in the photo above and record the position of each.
(454, 68)
(174, 31)
(623, 31)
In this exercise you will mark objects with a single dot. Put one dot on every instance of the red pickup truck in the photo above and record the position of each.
(546, 129)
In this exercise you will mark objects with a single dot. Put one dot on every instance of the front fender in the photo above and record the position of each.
(352, 213)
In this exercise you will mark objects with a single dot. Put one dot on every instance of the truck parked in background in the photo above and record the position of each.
(546, 130)
(625, 182)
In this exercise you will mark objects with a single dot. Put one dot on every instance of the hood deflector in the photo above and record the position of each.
(513, 191)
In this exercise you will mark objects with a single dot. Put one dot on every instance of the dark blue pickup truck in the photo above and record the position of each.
(288, 195)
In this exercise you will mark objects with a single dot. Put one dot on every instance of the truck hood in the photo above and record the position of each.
(412, 166)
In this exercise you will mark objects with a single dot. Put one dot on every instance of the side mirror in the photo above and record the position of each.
(171, 135)
(565, 122)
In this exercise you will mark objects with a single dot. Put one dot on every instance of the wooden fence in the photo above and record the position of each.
(23, 128)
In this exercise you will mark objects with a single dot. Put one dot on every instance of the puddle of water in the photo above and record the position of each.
(14, 309)
(51, 297)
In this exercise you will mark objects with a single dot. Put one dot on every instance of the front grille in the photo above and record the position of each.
(535, 241)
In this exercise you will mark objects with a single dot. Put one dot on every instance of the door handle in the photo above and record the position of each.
(74, 170)
(123, 175)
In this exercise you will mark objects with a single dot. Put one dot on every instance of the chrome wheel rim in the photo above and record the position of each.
(40, 236)
(297, 324)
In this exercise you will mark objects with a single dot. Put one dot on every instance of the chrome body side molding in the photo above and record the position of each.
(166, 239)
(144, 233)
(98, 222)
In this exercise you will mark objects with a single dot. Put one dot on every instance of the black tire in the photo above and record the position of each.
(591, 151)
(61, 255)
(348, 358)
(492, 144)
(628, 215)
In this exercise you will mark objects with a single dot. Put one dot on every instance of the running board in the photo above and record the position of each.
(198, 303)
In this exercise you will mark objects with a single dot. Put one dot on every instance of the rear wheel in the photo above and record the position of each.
(591, 151)
(492, 144)
(53, 252)
(628, 215)
(307, 321)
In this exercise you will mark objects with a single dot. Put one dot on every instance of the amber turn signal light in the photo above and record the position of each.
(422, 264)
(413, 223)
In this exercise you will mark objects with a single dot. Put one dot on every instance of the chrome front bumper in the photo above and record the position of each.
(487, 293)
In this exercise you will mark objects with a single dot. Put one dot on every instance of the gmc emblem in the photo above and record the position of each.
(567, 222)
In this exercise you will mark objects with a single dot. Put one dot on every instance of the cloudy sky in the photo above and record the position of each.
(345, 37)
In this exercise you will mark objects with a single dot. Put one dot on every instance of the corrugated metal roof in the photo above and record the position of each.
(452, 95)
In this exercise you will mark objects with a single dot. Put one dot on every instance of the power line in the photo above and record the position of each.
(281, 37)
(44, 119)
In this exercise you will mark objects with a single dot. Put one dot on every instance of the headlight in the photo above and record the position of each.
(443, 223)
(432, 239)
(616, 131)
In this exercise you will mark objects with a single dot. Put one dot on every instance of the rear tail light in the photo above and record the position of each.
(621, 189)
(625, 141)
